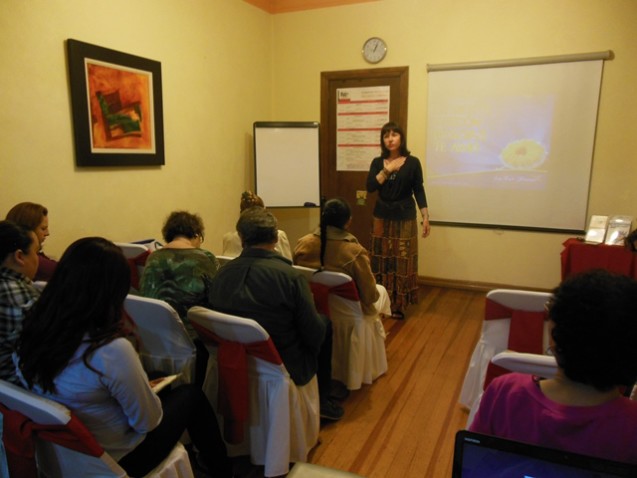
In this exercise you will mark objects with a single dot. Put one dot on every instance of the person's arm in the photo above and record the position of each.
(426, 227)
(421, 198)
(364, 279)
(376, 176)
(283, 246)
(128, 384)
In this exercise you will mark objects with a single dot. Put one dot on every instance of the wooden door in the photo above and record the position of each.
(345, 184)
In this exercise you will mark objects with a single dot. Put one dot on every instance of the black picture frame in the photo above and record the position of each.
(116, 101)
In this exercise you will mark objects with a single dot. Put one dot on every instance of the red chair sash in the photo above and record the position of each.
(232, 366)
(321, 294)
(19, 433)
(526, 333)
(133, 262)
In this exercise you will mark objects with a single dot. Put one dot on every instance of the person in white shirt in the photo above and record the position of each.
(74, 349)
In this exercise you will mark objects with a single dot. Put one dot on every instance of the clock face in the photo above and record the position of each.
(374, 50)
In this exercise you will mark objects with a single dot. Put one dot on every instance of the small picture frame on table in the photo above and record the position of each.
(116, 101)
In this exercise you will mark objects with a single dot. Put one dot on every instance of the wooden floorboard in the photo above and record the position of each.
(403, 425)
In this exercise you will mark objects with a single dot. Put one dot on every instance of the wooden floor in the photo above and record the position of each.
(403, 425)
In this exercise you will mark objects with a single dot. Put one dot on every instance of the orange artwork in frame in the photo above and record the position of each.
(117, 108)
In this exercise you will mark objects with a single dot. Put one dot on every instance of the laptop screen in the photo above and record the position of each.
(483, 456)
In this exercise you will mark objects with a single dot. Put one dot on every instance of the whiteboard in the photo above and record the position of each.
(286, 157)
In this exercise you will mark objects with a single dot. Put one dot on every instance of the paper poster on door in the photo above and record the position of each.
(360, 115)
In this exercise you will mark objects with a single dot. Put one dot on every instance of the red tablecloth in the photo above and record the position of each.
(578, 256)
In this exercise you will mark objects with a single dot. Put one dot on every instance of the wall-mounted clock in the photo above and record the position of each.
(374, 49)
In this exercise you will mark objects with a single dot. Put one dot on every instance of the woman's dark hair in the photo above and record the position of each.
(27, 214)
(14, 237)
(182, 223)
(595, 329)
(336, 213)
(393, 127)
(257, 226)
(83, 301)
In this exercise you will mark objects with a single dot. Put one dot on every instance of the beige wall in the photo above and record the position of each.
(216, 64)
(226, 64)
(421, 32)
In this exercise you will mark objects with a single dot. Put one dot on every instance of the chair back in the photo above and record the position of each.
(223, 260)
(227, 326)
(358, 343)
(64, 447)
(514, 320)
(136, 254)
(165, 343)
(267, 416)
(544, 366)
(307, 272)
(520, 299)
(38, 409)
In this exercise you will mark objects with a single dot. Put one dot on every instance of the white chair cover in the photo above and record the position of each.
(165, 343)
(495, 338)
(358, 348)
(283, 418)
(307, 272)
(544, 366)
(56, 461)
(133, 251)
(223, 260)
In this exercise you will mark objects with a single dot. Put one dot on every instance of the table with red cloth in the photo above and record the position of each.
(580, 256)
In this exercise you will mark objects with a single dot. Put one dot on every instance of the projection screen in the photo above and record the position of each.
(511, 145)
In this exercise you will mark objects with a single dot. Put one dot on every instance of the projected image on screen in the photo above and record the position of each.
(512, 146)
(494, 143)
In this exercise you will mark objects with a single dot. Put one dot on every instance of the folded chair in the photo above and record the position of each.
(514, 320)
(42, 431)
(358, 348)
(165, 344)
(264, 414)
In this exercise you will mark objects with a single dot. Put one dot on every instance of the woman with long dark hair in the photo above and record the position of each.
(73, 349)
(398, 178)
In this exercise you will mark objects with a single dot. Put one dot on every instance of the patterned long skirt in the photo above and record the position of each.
(394, 258)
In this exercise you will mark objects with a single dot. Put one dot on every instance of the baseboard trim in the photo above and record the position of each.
(472, 286)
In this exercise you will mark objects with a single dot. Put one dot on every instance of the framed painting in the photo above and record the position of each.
(117, 109)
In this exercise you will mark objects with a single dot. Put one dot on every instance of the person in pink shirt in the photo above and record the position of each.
(593, 318)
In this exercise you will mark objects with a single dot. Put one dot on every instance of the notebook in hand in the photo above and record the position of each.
(483, 456)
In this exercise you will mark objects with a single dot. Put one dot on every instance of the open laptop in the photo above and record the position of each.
(483, 456)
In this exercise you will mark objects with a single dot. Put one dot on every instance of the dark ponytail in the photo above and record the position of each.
(336, 213)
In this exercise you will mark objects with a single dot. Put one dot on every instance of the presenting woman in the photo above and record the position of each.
(74, 349)
(397, 176)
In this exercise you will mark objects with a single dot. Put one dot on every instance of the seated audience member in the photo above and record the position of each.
(262, 285)
(35, 217)
(333, 248)
(581, 410)
(232, 242)
(181, 271)
(19, 255)
(73, 349)
(180, 274)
